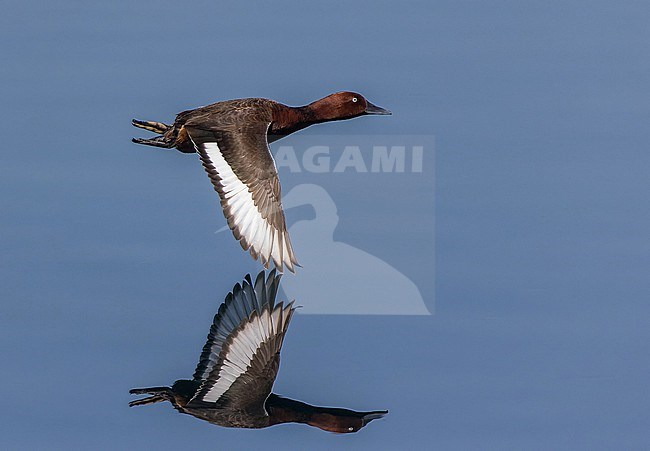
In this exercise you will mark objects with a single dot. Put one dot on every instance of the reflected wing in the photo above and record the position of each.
(240, 360)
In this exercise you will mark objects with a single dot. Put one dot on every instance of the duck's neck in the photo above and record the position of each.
(283, 410)
(287, 119)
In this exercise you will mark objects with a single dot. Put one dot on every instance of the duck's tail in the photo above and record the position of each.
(159, 394)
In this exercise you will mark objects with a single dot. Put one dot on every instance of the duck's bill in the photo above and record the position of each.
(374, 109)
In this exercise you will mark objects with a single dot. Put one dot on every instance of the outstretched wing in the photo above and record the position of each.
(240, 360)
(241, 168)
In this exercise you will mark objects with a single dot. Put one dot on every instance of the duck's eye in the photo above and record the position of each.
(354, 99)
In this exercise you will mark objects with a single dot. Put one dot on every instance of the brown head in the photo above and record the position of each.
(342, 105)
(343, 423)
(340, 421)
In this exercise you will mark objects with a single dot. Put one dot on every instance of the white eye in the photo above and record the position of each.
(354, 99)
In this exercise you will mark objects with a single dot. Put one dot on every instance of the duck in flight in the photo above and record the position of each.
(231, 139)
(232, 383)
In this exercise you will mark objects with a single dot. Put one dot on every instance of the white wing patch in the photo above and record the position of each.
(246, 342)
(256, 232)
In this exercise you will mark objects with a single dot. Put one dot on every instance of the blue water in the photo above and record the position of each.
(110, 270)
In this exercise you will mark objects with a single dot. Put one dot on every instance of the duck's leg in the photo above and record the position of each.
(152, 126)
(170, 136)
(144, 401)
(159, 394)
(158, 141)
(156, 127)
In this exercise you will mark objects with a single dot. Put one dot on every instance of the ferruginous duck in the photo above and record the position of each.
(232, 138)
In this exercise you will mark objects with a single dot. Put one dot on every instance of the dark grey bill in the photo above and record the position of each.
(374, 109)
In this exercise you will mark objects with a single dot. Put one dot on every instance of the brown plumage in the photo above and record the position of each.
(232, 383)
(231, 139)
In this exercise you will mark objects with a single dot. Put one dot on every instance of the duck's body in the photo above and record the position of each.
(232, 383)
(231, 138)
(229, 114)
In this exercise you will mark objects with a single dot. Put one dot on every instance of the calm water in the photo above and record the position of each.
(111, 270)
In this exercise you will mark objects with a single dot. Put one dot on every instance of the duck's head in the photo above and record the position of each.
(344, 105)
